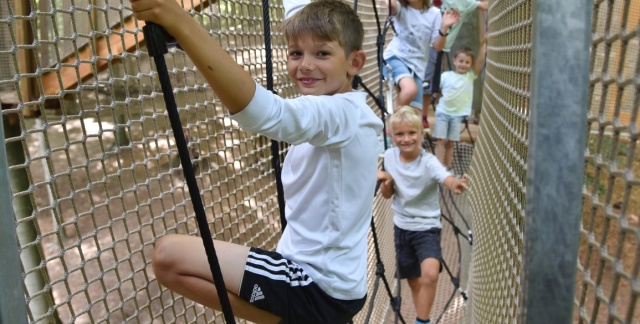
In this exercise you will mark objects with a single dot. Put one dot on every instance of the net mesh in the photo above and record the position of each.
(95, 178)
(609, 260)
(498, 169)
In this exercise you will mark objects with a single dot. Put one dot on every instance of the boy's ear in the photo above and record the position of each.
(356, 62)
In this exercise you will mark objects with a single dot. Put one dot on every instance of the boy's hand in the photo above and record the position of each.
(385, 178)
(457, 186)
(161, 12)
(460, 185)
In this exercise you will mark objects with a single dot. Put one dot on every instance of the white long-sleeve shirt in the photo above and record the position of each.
(329, 177)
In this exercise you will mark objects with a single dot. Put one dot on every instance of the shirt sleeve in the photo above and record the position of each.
(317, 120)
(438, 170)
(293, 6)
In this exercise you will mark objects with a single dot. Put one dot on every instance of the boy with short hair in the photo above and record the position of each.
(456, 100)
(431, 80)
(318, 272)
(413, 177)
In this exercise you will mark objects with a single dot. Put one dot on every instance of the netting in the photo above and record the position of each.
(95, 178)
(608, 264)
(498, 170)
(609, 261)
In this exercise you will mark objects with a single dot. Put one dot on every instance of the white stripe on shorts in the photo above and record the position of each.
(271, 272)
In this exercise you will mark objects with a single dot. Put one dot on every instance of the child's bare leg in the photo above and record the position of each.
(426, 104)
(440, 150)
(180, 264)
(448, 156)
(408, 91)
(423, 289)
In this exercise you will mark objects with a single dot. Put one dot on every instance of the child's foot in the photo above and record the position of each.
(425, 122)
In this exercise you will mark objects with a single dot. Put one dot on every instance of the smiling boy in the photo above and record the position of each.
(318, 272)
(413, 177)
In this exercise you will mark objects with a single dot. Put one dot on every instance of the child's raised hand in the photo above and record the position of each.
(450, 17)
(161, 12)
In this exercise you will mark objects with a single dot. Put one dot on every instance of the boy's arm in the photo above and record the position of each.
(482, 50)
(386, 184)
(233, 86)
(449, 18)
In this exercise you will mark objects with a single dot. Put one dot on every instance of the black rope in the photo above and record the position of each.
(380, 270)
(275, 146)
(156, 42)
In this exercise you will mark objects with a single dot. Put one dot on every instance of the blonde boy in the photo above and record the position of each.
(413, 177)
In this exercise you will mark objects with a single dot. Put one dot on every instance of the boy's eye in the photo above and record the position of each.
(323, 53)
(295, 53)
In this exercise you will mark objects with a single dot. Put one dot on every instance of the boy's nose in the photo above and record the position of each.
(306, 64)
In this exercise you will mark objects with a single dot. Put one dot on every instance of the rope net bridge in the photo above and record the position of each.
(94, 178)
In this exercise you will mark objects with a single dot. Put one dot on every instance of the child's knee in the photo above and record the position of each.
(429, 275)
(163, 259)
(408, 87)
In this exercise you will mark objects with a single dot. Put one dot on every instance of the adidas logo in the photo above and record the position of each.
(256, 294)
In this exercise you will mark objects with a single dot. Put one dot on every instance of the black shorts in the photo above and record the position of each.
(413, 247)
(282, 287)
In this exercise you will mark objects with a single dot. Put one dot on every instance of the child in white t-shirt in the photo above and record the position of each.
(413, 177)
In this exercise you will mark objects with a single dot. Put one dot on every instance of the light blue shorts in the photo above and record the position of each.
(447, 126)
(399, 71)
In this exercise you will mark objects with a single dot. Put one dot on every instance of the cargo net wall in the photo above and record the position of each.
(498, 168)
(608, 283)
(95, 177)
(609, 258)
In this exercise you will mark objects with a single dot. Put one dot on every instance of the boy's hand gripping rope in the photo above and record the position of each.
(156, 40)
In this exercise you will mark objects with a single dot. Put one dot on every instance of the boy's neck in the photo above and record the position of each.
(408, 157)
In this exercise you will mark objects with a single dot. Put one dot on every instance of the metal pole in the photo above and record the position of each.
(555, 167)
(13, 308)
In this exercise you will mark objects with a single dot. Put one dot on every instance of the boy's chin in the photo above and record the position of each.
(409, 149)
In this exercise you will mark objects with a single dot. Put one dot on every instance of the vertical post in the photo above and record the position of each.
(13, 308)
(555, 168)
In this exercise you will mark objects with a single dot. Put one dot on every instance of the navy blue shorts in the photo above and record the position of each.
(282, 287)
(413, 247)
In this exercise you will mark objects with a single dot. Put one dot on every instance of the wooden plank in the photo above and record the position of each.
(114, 44)
(26, 58)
